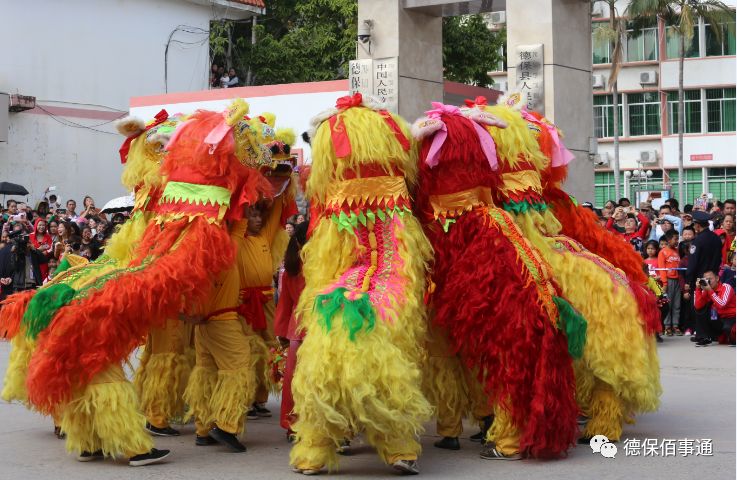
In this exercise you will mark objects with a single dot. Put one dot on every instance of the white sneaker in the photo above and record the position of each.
(406, 467)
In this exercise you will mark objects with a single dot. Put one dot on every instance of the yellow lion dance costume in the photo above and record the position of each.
(358, 369)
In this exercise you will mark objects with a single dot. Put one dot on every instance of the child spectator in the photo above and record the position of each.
(651, 257)
(668, 261)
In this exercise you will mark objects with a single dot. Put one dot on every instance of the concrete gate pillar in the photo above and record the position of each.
(412, 31)
(564, 29)
(416, 38)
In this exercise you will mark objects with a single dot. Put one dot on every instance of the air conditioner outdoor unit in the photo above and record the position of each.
(648, 157)
(649, 78)
(498, 18)
(501, 85)
(20, 103)
(597, 10)
(601, 160)
(597, 81)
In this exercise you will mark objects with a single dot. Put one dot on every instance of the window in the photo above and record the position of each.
(600, 44)
(604, 187)
(501, 65)
(644, 113)
(643, 46)
(722, 183)
(720, 109)
(692, 109)
(725, 46)
(693, 186)
(604, 116)
(672, 39)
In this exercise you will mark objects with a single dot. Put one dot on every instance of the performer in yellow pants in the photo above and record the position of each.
(163, 374)
(103, 420)
(264, 227)
(454, 391)
(222, 385)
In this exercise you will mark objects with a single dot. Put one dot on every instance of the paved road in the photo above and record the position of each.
(698, 402)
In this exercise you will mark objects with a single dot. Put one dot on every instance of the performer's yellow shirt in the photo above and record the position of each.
(226, 293)
(258, 265)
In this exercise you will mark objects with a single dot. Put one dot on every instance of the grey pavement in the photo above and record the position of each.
(698, 403)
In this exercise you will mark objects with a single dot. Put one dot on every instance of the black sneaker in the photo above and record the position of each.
(205, 441)
(704, 342)
(227, 439)
(161, 432)
(584, 440)
(486, 425)
(694, 338)
(59, 434)
(252, 414)
(406, 467)
(154, 456)
(448, 443)
(261, 410)
(90, 456)
(658, 338)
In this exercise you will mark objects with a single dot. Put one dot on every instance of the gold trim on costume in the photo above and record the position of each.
(367, 190)
(455, 204)
(521, 181)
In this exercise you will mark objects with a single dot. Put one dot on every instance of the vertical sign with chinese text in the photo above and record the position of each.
(360, 77)
(386, 82)
(377, 78)
(530, 75)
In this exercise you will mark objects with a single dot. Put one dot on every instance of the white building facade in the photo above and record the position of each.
(648, 95)
(82, 61)
(648, 86)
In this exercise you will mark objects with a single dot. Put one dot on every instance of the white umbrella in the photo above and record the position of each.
(120, 204)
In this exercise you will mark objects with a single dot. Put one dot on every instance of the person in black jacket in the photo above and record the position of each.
(20, 264)
(705, 255)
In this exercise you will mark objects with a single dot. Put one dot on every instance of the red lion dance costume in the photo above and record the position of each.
(618, 374)
(493, 291)
(75, 368)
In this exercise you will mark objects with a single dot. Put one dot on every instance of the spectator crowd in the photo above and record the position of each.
(35, 240)
(689, 255)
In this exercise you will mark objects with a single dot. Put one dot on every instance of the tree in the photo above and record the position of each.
(297, 41)
(613, 32)
(313, 40)
(682, 15)
(470, 49)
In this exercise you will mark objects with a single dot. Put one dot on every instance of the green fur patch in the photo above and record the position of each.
(356, 312)
(573, 323)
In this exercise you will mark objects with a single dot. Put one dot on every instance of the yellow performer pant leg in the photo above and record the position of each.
(105, 417)
(605, 412)
(392, 448)
(480, 406)
(263, 355)
(503, 433)
(445, 384)
(14, 384)
(222, 385)
(163, 373)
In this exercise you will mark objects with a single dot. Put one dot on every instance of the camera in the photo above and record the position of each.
(19, 239)
(364, 31)
(702, 282)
